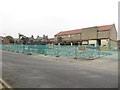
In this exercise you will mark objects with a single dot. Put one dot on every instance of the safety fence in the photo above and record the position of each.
(27, 49)
(85, 52)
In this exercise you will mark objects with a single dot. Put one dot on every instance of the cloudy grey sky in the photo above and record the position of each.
(38, 17)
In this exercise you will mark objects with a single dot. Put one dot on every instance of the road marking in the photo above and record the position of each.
(5, 85)
(1, 87)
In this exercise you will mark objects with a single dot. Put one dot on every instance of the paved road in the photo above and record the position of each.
(22, 71)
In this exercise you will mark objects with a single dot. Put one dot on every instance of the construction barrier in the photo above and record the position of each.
(27, 49)
(75, 51)
(84, 52)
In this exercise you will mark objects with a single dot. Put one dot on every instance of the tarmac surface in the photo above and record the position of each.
(39, 71)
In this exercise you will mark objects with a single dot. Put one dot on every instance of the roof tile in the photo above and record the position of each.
(77, 31)
(105, 27)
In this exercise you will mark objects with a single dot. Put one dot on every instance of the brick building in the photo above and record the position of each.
(98, 35)
(4, 40)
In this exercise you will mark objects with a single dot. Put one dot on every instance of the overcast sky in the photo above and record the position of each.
(38, 17)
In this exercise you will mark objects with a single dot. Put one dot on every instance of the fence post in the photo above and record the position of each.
(57, 53)
(75, 57)
(45, 50)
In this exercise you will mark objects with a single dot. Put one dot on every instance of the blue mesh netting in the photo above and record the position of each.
(86, 52)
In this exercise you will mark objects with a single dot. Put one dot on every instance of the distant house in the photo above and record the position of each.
(40, 40)
(31, 40)
(4, 40)
(51, 40)
(98, 35)
(16, 40)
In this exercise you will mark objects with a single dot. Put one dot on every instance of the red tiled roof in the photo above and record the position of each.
(77, 31)
(105, 27)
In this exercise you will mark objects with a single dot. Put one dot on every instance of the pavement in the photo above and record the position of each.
(39, 71)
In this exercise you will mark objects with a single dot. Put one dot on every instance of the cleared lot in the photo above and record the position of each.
(23, 71)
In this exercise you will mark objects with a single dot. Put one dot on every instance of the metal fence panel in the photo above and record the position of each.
(85, 52)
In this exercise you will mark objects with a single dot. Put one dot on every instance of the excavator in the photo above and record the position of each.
(23, 39)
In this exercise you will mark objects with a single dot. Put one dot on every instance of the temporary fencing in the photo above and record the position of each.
(75, 51)
(27, 49)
